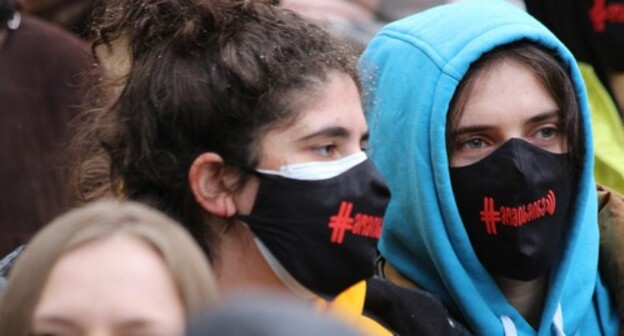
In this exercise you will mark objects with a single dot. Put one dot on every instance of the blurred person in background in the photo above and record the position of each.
(357, 21)
(594, 32)
(40, 68)
(72, 15)
(108, 268)
(266, 314)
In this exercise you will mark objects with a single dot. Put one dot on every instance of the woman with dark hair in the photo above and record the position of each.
(243, 121)
(222, 111)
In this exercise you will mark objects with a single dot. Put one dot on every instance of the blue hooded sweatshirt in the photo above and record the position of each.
(410, 72)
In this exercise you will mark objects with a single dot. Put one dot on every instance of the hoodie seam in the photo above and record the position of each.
(440, 62)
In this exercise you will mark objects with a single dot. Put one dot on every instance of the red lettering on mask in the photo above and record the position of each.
(360, 225)
(516, 216)
(600, 13)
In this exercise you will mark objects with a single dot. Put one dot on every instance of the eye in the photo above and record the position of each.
(326, 150)
(474, 143)
(548, 132)
(364, 145)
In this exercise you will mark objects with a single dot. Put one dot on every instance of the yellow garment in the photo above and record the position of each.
(608, 133)
(349, 306)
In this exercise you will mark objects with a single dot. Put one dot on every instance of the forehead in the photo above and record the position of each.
(333, 102)
(124, 274)
(505, 91)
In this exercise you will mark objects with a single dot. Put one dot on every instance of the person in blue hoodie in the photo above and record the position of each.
(479, 123)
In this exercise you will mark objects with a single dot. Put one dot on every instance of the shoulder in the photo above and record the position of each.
(409, 311)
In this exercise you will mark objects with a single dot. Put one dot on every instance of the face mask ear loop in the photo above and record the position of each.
(380, 263)
(281, 272)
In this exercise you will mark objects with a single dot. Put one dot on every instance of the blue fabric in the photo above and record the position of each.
(410, 71)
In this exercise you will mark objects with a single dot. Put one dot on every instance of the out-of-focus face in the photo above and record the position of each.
(116, 286)
(507, 101)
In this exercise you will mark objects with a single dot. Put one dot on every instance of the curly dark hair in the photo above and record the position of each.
(205, 76)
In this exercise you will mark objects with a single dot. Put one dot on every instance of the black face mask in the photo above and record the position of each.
(515, 204)
(323, 232)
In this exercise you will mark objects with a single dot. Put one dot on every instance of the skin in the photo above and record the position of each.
(124, 289)
(508, 101)
(331, 128)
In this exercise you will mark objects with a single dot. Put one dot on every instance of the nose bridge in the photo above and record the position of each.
(513, 130)
(509, 135)
(100, 330)
(519, 149)
(353, 145)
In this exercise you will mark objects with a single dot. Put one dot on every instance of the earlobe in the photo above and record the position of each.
(206, 179)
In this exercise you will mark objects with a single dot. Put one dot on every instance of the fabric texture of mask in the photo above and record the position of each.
(411, 70)
(324, 232)
(515, 204)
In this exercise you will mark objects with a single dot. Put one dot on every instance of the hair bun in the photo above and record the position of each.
(182, 24)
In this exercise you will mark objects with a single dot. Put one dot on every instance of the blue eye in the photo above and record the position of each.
(547, 132)
(474, 143)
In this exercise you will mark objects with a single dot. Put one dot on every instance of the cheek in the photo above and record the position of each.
(559, 146)
(465, 157)
(454, 161)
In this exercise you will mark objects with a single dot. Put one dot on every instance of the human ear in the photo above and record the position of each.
(209, 182)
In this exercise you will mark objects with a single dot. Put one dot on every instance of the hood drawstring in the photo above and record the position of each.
(510, 327)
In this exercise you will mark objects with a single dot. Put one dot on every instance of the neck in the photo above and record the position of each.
(239, 264)
(526, 296)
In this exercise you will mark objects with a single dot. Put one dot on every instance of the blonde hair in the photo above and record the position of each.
(185, 261)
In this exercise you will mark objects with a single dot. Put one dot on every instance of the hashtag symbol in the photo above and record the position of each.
(489, 216)
(341, 222)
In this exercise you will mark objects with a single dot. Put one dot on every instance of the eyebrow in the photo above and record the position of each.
(65, 322)
(482, 128)
(135, 323)
(543, 117)
(55, 319)
(139, 325)
(471, 129)
(331, 132)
